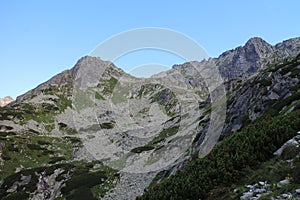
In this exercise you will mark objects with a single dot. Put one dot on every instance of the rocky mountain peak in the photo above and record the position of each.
(256, 40)
(88, 70)
(258, 46)
(90, 62)
(6, 100)
(255, 55)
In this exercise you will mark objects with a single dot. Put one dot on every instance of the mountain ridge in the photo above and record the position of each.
(256, 41)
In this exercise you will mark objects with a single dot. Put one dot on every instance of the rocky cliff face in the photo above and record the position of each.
(255, 55)
(132, 128)
(6, 100)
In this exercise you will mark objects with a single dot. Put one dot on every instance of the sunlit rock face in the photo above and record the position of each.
(6, 100)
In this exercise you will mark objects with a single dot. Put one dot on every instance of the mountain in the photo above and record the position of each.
(6, 100)
(96, 131)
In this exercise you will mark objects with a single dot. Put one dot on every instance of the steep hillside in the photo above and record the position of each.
(232, 162)
(98, 132)
(263, 110)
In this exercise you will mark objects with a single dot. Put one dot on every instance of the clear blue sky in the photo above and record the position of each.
(42, 38)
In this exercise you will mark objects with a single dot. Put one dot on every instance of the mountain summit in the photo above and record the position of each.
(255, 55)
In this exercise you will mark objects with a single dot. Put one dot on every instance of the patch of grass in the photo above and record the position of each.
(246, 120)
(266, 82)
(202, 104)
(108, 125)
(94, 183)
(119, 94)
(63, 103)
(167, 99)
(161, 137)
(144, 111)
(290, 152)
(289, 67)
(142, 149)
(99, 96)
(4, 134)
(295, 72)
(32, 151)
(51, 90)
(295, 88)
(148, 89)
(109, 85)
(50, 127)
(164, 134)
(279, 105)
(41, 113)
(54, 160)
(82, 99)
(84, 177)
(80, 193)
(34, 147)
(286, 66)
(67, 130)
(257, 109)
(74, 140)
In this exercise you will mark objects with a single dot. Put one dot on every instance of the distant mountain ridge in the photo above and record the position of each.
(6, 100)
(255, 55)
(240, 62)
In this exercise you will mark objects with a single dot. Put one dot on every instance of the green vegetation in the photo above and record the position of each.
(296, 87)
(119, 94)
(295, 72)
(99, 96)
(82, 99)
(263, 82)
(63, 103)
(82, 180)
(43, 113)
(164, 134)
(30, 151)
(148, 89)
(167, 99)
(87, 180)
(144, 110)
(266, 82)
(286, 67)
(67, 130)
(290, 67)
(283, 103)
(224, 165)
(202, 104)
(62, 90)
(108, 125)
(161, 137)
(34, 154)
(272, 171)
(141, 149)
(290, 152)
(109, 85)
